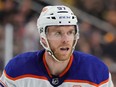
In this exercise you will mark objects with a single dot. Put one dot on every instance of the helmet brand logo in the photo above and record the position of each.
(64, 17)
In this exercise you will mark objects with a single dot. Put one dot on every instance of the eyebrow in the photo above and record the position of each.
(56, 29)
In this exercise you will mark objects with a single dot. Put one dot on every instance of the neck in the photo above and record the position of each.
(55, 67)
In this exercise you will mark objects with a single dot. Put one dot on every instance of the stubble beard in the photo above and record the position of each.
(60, 56)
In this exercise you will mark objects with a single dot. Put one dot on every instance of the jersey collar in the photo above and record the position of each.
(64, 72)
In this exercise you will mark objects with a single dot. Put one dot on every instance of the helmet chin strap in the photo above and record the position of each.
(48, 49)
(53, 56)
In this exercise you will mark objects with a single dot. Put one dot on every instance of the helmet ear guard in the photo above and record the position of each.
(55, 15)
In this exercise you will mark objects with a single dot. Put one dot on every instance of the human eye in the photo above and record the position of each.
(71, 32)
(57, 33)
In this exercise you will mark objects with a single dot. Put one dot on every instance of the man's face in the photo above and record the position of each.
(61, 40)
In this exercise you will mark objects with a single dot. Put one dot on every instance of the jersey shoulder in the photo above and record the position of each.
(88, 59)
(24, 63)
(90, 67)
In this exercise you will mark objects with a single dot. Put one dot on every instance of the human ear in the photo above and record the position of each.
(43, 41)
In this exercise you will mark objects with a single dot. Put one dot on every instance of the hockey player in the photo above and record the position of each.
(58, 65)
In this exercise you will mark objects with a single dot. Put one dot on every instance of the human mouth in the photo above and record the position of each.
(64, 49)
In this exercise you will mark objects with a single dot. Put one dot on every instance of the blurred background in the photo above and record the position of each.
(97, 24)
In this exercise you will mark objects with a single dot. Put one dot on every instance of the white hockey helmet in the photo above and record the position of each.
(56, 15)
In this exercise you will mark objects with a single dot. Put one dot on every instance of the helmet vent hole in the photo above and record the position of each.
(48, 17)
(41, 30)
(59, 21)
(73, 17)
(53, 17)
(69, 22)
(62, 12)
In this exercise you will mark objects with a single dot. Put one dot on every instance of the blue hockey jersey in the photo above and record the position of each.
(30, 70)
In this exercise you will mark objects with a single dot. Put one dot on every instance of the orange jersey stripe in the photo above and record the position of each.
(24, 76)
(84, 81)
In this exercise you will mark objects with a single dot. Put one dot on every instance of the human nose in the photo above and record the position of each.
(65, 38)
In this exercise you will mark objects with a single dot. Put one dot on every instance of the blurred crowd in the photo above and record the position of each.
(23, 21)
(92, 39)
